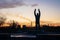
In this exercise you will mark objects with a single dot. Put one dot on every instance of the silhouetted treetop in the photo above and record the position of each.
(2, 20)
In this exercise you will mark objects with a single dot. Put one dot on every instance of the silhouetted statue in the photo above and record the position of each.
(37, 18)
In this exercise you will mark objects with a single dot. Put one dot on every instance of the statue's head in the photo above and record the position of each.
(37, 13)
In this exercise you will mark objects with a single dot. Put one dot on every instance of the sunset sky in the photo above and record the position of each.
(23, 10)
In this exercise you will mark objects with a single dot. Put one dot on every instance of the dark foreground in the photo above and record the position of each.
(44, 33)
(38, 37)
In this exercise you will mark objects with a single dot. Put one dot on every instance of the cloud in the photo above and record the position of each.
(34, 5)
(12, 3)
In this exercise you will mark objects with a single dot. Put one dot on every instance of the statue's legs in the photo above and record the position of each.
(37, 28)
(37, 24)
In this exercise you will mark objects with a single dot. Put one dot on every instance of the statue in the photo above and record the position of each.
(37, 18)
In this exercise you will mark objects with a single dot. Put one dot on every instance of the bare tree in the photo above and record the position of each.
(2, 20)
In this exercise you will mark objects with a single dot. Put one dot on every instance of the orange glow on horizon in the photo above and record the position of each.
(33, 24)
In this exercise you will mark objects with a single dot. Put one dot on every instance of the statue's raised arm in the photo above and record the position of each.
(39, 12)
(35, 12)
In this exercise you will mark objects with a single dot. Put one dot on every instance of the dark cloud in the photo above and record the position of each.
(12, 3)
(34, 5)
